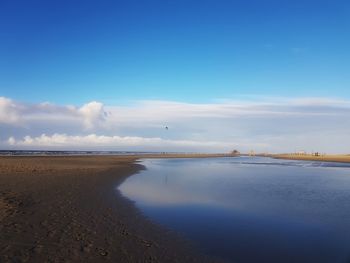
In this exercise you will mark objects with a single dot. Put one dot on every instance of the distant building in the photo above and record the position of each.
(235, 152)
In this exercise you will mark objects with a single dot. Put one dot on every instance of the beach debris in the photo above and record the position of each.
(146, 243)
(86, 248)
(37, 249)
(103, 252)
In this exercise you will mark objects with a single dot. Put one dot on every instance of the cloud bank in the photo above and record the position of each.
(265, 124)
(92, 141)
(88, 116)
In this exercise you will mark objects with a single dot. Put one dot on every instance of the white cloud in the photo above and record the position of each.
(93, 141)
(88, 116)
(9, 111)
(93, 113)
(170, 110)
(11, 141)
(265, 124)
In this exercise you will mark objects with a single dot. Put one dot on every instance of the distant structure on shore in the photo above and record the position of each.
(235, 152)
(303, 153)
(251, 153)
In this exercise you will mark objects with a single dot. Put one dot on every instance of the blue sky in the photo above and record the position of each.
(266, 75)
(194, 51)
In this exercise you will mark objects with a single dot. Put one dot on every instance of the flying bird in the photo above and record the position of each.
(166, 127)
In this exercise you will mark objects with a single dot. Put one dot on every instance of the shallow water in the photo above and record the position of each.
(250, 209)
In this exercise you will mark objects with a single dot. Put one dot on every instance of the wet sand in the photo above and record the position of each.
(66, 209)
(323, 158)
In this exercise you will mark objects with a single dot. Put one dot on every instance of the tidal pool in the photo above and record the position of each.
(250, 209)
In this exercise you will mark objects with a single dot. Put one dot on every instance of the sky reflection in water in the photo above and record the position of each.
(250, 209)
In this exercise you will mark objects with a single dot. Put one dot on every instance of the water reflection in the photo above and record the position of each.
(250, 209)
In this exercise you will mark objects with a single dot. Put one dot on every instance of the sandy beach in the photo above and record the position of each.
(66, 209)
(323, 158)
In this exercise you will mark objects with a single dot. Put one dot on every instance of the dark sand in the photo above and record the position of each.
(66, 209)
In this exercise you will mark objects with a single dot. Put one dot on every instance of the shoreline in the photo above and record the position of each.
(67, 209)
(322, 158)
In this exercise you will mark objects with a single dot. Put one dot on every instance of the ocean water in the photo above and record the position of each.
(250, 209)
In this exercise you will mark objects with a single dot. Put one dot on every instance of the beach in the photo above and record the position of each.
(67, 209)
(308, 157)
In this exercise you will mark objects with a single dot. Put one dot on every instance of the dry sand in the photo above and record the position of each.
(324, 158)
(66, 209)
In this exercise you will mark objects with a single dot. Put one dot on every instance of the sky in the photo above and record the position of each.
(266, 75)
